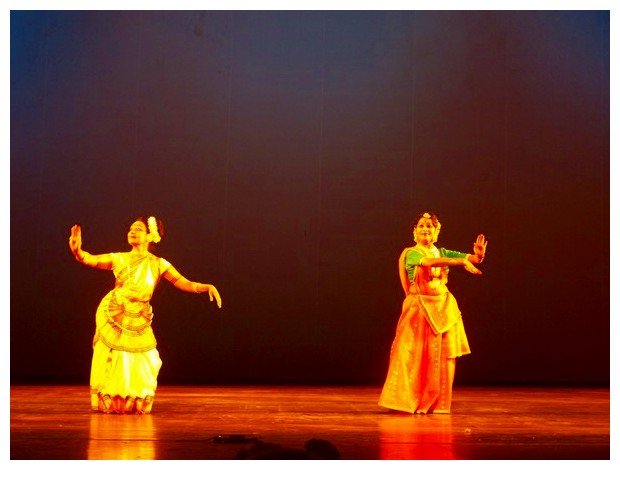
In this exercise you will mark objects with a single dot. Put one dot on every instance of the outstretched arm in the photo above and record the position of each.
(182, 283)
(75, 245)
(467, 262)
(451, 262)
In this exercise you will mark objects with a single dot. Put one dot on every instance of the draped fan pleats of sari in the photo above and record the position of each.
(125, 362)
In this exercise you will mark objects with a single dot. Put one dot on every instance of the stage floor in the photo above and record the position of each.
(55, 422)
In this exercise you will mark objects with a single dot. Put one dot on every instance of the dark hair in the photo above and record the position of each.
(433, 216)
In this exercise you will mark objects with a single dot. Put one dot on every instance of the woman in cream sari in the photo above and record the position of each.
(125, 361)
(430, 333)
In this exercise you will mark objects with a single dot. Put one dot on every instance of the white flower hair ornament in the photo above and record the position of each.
(153, 232)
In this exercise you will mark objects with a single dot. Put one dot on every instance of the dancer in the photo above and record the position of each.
(125, 362)
(430, 333)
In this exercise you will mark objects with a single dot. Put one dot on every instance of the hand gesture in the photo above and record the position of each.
(75, 240)
(213, 293)
(480, 247)
(470, 267)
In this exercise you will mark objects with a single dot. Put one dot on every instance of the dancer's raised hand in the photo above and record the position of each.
(75, 240)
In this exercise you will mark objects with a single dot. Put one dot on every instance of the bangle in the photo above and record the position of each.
(196, 285)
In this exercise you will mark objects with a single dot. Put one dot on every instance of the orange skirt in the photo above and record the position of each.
(422, 360)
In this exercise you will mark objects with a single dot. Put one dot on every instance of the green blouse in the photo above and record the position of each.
(413, 259)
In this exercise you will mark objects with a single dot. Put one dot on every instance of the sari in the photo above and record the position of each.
(429, 337)
(125, 361)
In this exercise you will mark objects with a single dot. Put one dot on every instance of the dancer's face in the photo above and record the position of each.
(425, 231)
(137, 234)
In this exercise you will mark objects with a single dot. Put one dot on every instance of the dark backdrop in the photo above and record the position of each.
(287, 153)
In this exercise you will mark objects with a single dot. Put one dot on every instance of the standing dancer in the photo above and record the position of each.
(125, 362)
(430, 334)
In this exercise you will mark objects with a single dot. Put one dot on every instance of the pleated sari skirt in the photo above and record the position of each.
(429, 337)
(125, 362)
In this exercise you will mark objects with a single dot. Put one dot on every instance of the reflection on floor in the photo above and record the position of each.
(224, 423)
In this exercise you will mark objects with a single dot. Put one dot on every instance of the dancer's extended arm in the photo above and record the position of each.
(182, 283)
(467, 262)
(75, 245)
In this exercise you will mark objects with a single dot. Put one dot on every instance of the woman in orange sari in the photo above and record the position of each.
(125, 362)
(430, 333)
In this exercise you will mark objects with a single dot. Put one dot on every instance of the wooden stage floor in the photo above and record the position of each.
(500, 423)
